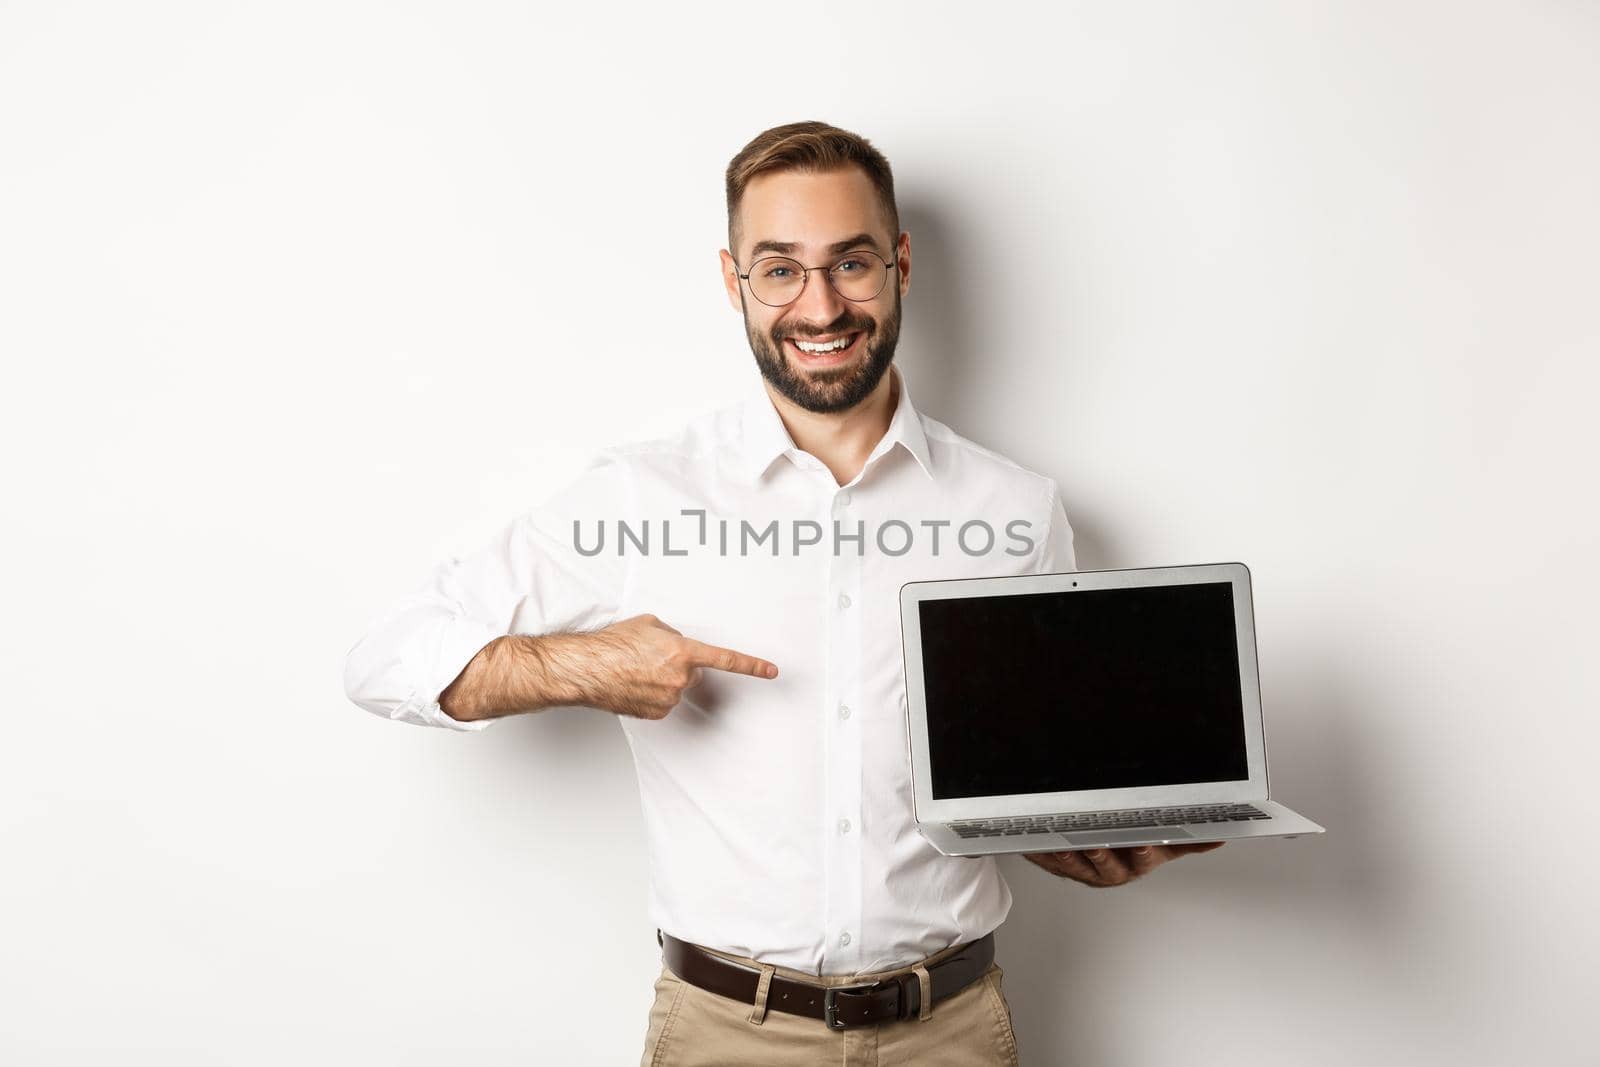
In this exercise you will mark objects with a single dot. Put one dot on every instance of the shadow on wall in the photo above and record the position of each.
(940, 327)
(944, 321)
(1072, 953)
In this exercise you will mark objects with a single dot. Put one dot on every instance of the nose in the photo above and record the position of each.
(817, 303)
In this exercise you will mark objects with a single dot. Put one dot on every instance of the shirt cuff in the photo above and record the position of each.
(461, 640)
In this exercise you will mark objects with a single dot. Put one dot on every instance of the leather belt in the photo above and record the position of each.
(898, 996)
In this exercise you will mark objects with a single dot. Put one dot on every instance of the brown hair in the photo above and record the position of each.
(808, 146)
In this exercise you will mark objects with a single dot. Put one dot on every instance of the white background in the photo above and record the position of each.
(297, 298)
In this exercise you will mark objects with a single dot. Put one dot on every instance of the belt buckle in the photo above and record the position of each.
(830, 1009)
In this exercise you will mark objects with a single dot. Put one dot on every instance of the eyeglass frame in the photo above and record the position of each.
(805, 276)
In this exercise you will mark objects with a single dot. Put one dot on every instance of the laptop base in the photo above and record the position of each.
(1280, 822)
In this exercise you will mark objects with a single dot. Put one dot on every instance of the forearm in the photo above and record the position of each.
(639, 666)
(516, 673)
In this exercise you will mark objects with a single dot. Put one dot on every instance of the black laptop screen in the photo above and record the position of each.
(1082, 689)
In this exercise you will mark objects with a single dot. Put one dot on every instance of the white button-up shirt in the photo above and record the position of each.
(778, 812)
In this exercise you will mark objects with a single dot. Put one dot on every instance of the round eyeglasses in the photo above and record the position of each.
(779, 280)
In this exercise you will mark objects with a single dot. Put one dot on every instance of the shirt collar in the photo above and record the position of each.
(765, 438)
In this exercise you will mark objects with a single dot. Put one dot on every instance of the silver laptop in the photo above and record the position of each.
(1053, 712)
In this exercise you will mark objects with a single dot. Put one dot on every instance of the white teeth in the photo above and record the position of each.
(806, 346)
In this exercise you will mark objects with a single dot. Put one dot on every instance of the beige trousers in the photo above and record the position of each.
(690, 1027)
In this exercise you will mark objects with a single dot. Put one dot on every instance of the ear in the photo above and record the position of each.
(730, 279)
(902, 260)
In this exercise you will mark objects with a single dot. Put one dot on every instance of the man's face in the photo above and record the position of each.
(812, 213)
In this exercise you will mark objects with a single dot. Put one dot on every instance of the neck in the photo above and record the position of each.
(842, 440)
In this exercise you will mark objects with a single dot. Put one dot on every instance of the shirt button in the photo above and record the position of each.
(844, 711)
(844, 600)
(844, 498)
(844, 938)
(844, 826)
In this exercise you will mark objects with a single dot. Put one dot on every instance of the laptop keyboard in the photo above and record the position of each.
(1106, 820)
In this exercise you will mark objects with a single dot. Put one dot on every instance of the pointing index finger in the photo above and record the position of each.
(726, 659)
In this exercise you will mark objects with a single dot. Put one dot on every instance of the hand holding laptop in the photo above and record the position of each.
(1104, 867)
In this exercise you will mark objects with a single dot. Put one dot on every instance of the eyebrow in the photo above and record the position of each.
(788, 248)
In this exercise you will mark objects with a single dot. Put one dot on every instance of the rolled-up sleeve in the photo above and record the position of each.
(531, 578)
(1057, 554)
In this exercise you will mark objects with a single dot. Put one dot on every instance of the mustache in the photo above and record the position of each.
(846, 324)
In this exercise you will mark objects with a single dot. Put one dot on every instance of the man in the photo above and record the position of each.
(730, 593)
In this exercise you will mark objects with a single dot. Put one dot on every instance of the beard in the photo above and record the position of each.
(827, 389)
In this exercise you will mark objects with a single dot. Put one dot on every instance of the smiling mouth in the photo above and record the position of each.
(823, 351)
